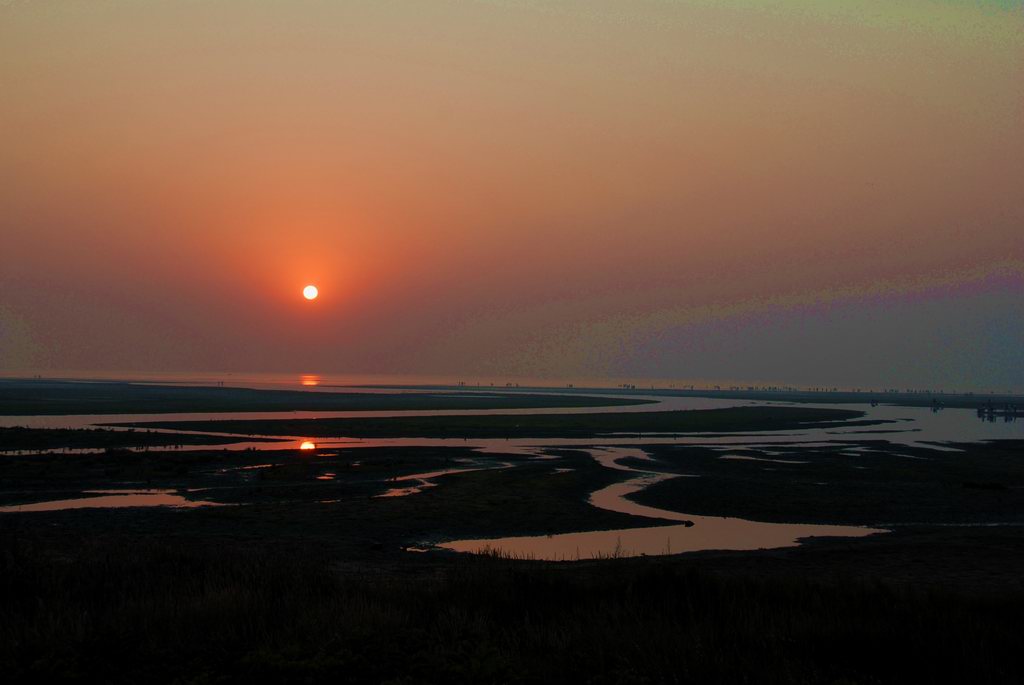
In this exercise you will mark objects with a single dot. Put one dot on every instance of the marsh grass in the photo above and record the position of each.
(159, 612)
(498, 553)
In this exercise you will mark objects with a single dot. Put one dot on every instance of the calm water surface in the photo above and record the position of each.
(113, 499)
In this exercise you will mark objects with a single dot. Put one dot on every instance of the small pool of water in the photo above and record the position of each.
(112, 499)
(706, 533)
(422, 481)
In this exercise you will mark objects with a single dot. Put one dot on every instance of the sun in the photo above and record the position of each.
(310, 292)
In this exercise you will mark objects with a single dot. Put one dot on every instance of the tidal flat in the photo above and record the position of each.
(324, 563)
(297, 578)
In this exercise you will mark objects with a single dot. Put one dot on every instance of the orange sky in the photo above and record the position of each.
(513, 188)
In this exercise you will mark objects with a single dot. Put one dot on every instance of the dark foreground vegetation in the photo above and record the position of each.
(498, 426)
(160, 612)
(36, 397)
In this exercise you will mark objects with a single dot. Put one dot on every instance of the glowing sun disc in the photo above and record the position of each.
(310, 292)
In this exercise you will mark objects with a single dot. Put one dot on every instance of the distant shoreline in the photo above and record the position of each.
(43, 397)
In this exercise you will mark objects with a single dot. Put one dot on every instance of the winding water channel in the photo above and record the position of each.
(903, 426)
(695, 533)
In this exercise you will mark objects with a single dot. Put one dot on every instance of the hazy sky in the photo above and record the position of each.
(802, 191)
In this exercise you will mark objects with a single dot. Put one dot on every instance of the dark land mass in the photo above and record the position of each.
(36, 397)
(498, 426)
(880, 485)
(19, 438)
(284, 498)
